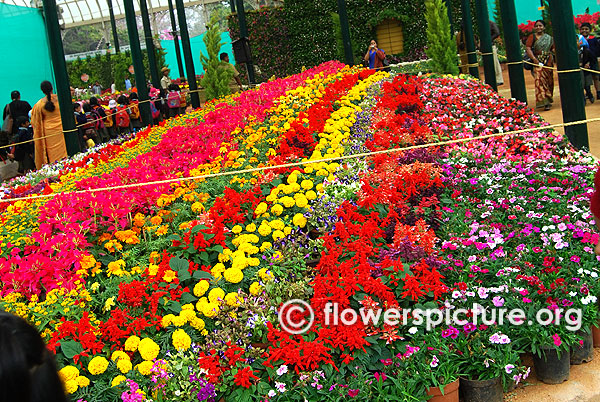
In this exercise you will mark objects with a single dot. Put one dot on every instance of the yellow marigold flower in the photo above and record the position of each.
(301, 201)
(201, 303)
(82, 381)
(233, 275)
(124, 366)
(119, 355)
(188, 315)
(261, 208)
(299, 220)
(197, 207)
(152, 269)
(216, 295)
(277, 209)
(201, 287)
(188, 306)
(287, 230)
(181, 340)
(68, 373)
(292, 178)
(109, 303)
(145, 367)
(197, 323)
(277, 224)
(210, 310)
(98, 365)
(239, 262)
(278, 234)
(255, 289)
(162, 230)
(87, 262)
(265, 274)
(253, 262)
(320, 187)
(117, 380)
(265, 246)
(308, 169)
(169, 275)
(233, 299)
(132, 343)
(148, 349)
(237, 229)
(251, 227)
(71, 386)
(311, 195)
(306, 184)
(179, 321)
(115, 268)
(156, 220)
(154, 257)
(288, 202)
(223, 257)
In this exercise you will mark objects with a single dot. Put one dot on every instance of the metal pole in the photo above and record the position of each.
(176, 39)
(113, 25)
(244, 34)
(570, 84)
(63, 89)
(138, 65)
(232, 5)
(450, 18)
(469, 39)
(150, 49)
(187, 54)
(345, 32)
(512, 40)
(485, 39)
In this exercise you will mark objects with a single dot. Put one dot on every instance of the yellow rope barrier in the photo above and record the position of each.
(301, 163)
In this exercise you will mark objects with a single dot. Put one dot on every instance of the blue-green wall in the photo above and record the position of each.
(25, 53)
(197, 46)
(528, 9)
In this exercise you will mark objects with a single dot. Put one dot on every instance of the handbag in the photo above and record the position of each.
(7, 125)
(386, 65)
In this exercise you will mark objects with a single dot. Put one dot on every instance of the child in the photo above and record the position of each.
(23, 153)
(90, 134)
(585, 59)
(134, 108)
(81, 121)
(100, 115)
(122, 116)
(174, 100)
(111, 114)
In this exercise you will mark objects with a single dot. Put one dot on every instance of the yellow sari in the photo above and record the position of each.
(48, 133)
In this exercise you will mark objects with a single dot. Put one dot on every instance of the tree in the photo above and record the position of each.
(498, 17)
(441, 44)
(216, 77)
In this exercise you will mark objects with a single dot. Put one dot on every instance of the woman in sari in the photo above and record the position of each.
(540, 48)
(47, 128)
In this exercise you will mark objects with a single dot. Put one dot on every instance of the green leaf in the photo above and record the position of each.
(179, 264)
(70, 348)
(188, 298)
(199, 274)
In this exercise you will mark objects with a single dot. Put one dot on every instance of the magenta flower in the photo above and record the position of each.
(556, 339)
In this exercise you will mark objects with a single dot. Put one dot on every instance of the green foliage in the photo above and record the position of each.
(339, 41)
(441, 44)
(108, 68)
(216, 74)
(498, 17)
(546, 16)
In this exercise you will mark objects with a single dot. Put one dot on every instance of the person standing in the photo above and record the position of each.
(16, 108)
(97, 88)
(374, 55)
(165, 81)
(47, 128)
(127, 82)
(540, 49)
(495, 31)
(235, 84)
(594, 46)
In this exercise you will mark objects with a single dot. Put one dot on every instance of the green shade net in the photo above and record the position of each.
(197, 45)
(26, 56)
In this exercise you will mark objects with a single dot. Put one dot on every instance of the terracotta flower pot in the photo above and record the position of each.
(596, 336)
(450, 393)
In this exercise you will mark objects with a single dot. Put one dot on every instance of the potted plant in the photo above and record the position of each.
(488, 363)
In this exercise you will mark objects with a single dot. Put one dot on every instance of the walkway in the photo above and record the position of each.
(554, 116)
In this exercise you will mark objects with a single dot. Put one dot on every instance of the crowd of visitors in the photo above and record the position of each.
(37, 133)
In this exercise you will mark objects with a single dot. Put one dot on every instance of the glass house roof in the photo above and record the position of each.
(85, 12)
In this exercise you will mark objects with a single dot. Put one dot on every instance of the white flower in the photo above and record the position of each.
(282, 370)
(456, 294)
(483, 293)
(271, 393)
(412, 330)
(177, 393)
(280, 386)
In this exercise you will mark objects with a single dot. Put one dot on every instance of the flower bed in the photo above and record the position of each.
(172, 291)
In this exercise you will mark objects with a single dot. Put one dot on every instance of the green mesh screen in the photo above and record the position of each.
(25, 53)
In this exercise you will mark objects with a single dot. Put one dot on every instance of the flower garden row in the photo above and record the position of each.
(171, 292)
